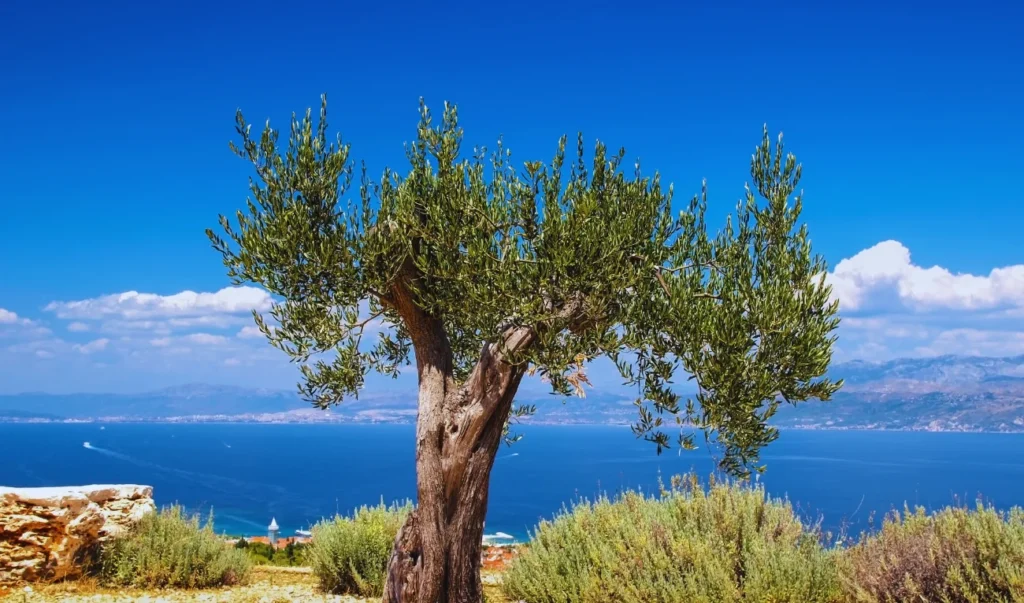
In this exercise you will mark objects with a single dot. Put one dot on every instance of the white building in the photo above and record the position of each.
(272, 531)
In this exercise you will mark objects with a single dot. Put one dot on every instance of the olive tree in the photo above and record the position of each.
(483, 271)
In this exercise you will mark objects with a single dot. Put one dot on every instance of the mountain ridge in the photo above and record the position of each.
(944, 393)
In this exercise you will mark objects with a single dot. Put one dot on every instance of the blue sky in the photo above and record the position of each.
(116, 119)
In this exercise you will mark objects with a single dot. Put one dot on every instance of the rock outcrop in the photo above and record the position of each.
(47, 533)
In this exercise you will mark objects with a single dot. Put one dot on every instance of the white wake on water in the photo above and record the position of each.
(207, 480)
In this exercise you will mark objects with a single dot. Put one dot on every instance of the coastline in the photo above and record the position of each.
(246, 420)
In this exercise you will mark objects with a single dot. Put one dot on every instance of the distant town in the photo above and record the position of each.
(947, 393)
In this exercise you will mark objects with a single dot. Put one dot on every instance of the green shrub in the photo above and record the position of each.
(292, 555)
(295, 554)
(952, 556)
(259, 553)
(349, 555)
(168, 549)
(724, 543)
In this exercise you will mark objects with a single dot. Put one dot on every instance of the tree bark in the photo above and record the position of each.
(436, 558)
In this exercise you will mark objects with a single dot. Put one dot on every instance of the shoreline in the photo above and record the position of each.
(228, 421)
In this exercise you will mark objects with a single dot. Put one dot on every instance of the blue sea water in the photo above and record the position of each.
(301, 473)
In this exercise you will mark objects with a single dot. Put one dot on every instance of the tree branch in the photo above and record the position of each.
(658, 270)
(380, 296)
(661, 280)
(707, 264)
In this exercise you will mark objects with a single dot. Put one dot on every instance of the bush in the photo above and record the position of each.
(259, 553)
(954, 556)
(295, 554)
(292, 555)
(168, 549)
(723, 543)
(349, 555)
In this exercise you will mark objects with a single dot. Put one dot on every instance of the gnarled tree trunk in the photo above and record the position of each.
(436, 558)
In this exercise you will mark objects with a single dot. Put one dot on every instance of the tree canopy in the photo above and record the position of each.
(589, 256)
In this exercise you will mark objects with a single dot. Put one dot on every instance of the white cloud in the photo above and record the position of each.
(886, 269)
(871, 349)
(8, 317)
(890, 307)
(166, 327)
(96, 345)
(133, 305)
(867, 324)
(205, 339)
(157, 327)
(250, 332)
(974, 342)
(885, 326)
(219, 321)
(18, 327)
(52, 345)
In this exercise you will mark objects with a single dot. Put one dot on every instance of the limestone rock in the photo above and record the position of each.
(45, 532)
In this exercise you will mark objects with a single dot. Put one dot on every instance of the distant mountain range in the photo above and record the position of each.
(172, 401)
(942, 373)
(947, 393)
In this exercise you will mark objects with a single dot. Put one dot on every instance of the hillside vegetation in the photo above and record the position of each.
(693, 542)
(729, 542)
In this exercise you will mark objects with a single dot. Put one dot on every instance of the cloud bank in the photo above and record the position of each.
(886, 270)
(890, 307)
(132, 305)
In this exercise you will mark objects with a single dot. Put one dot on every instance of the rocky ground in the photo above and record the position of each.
(269, 585)
(42, 530)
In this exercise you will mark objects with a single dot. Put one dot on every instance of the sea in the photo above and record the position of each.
(248, 474)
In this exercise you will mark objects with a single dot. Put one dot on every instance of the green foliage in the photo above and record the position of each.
(729, 542)
(295, 553)
(260, 553)
(349, 555)
(594, 262)
(724, 543)
(280, 557)
(952, 556)
(167, 549)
